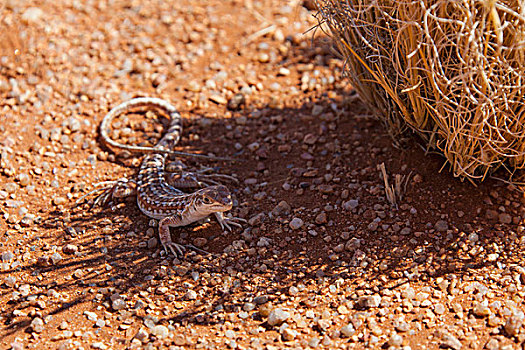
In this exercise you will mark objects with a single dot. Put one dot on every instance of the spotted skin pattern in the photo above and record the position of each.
(156, 198)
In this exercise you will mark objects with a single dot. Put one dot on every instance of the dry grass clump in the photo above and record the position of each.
(452, 71)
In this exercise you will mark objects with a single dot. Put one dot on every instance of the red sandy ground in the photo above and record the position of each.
(444, 265)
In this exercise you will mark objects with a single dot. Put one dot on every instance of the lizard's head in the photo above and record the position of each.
(214, 199)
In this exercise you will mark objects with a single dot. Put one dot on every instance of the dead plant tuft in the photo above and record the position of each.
(451, 71)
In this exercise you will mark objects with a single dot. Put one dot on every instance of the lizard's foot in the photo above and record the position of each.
(165, 237)
(214, 178)
(177, 249)
(120, 188)
(179, 176)
(110, 190)
(225, 222)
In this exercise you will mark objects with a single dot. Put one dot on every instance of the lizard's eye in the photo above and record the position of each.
(206, 200)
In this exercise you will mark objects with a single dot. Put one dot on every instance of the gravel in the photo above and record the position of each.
(514, 323)
(324, 260)
(277, 316)
(371, 301)
(296, 223)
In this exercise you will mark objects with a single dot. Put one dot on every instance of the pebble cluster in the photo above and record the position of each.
(327, 259)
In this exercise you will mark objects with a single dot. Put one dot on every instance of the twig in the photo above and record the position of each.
(262, 32)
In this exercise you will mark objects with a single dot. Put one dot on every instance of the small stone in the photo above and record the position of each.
(55, 258)
(492, 344)
(351, 204)
(321, 218)
(314, 342)
(23, 179)
(63, 325)
(282, 208)
(505, 218)
(73, 124)
(441, 226)
(296, 223)
(10, 187)
(275, 86)
(264, 242)
(492, 257)
(256, 219)
(325, 189)
(310, 139)
(317, 110)
(288, 334)
(43, 261)
(236, 102)
(219, 99)
(32, 14)
(481, 309)
(339, 248)
(161, 290)
(248, 307)
(152, 242)
(24, 289)
(160, 331)
(7, 256)
(37, 325)
(277, 316)
(348, 330)
(263, 57)
(283, 71)
(190, 295)
(59, 200)
(493, 321)
(307, 156)
(17, 344)
(10, 281)
(402, 327)
(78, 273)
(261, 299)
(193, 86)
(491, 214)
(369, 301)
(439, 309)
(118, 304)
(142, 335)
(200, 242)
(91, 315)
(473, 237)
(395, 340)
(241, 120)
(69, 249)
(353, 244)
(514, 323)
(448, 341)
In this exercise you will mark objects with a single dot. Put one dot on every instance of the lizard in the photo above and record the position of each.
(156, 198)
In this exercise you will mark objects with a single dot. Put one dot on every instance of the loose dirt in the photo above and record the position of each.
(328, 259)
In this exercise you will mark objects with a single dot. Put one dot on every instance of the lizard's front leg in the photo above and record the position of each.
(226, 221)
(165, 237)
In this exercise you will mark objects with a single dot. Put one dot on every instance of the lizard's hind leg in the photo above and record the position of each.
(110, 190)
